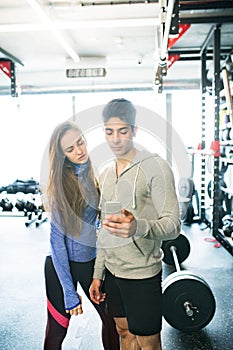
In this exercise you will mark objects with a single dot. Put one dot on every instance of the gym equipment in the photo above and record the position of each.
(231, 134)
(30, 221)
(25, 186)
(29, 206)
(24, 205)
(31, 210)
(2, 189)
(226, 134)
(6, 204)
(186, 187)
(34, 213)
(227, 225)
(181, 245)
(187, 190)
(224, 207)
(20, 205)
(41, 221)
(221, 187)
(188, 302)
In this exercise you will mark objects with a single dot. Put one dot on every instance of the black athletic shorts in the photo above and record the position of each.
(139, 300)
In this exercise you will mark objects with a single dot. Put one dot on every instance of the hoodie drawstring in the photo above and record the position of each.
(134, 186)
(102, 187)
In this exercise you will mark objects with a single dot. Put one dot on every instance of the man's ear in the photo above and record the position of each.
(135, 129)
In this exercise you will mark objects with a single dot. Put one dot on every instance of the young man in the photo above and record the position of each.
(129, 257)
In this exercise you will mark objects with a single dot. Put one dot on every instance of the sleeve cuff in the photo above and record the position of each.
(99, 274)
(142, 228)
(71, 308)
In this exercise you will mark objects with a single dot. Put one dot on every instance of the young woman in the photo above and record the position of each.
(72, 199)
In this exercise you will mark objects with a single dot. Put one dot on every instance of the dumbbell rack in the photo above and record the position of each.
(34, 214)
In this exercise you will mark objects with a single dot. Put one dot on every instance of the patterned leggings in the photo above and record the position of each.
(58, 319)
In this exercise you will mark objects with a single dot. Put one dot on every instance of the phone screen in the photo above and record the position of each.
(112, 208)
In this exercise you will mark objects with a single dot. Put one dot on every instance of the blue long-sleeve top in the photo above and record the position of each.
(65, 248)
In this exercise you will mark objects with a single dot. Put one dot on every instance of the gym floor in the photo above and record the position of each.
(23, 302)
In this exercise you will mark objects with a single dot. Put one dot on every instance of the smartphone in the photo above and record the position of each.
(112, 208)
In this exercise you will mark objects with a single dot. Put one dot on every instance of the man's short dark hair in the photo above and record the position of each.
(122, 109)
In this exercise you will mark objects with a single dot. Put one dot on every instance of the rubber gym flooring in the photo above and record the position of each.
(23, 302)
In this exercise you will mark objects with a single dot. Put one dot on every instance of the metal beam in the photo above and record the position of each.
(193, 18)
(206, 5)
(216, 92)
(207, 40)
(10, 56)
(225, 50)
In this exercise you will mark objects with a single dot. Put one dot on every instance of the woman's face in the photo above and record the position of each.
(74, 147)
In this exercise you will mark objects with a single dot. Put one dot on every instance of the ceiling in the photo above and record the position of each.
(44, 38)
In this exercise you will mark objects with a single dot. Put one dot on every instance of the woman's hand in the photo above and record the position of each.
(78, 310)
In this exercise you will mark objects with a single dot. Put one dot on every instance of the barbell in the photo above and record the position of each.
(188, 302)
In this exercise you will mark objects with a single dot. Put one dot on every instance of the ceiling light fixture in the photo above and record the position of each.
(86, 73)
(88, 67)
(59, 37)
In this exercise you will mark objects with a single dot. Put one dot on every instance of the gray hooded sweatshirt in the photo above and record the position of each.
(146, 188)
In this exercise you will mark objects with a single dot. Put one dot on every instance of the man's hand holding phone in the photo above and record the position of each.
(118, 221)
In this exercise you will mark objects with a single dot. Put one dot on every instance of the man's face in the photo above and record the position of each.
(119, 136)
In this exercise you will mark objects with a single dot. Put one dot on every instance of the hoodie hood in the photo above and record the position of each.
(138, 163)
(143, 155)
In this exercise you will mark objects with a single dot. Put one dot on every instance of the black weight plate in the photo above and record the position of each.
(224, 167)
(231, 134)
(181, 287)
(182, 249)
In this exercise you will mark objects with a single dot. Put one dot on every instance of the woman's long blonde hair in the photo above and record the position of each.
(65, 194)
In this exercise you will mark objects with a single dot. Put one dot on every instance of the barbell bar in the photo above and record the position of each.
(188, 302)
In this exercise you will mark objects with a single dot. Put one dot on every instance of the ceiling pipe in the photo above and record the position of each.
(182, 84)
